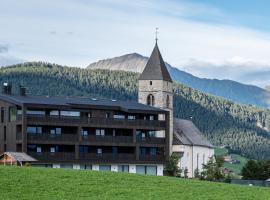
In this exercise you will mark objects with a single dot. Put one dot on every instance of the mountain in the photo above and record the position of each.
(244, 128)
(232, 90)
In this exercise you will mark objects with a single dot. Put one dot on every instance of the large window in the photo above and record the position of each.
(70, 113)
(34, 130)
(89, 167)
(123, 168)
(35, 112)
(146, 169)
(104, 167)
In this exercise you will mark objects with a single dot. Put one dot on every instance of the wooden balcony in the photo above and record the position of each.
(53, 157)
(107, 157)
(52, 138)
(151, 140)
(157, 158)
(107, 139)
(101, 122)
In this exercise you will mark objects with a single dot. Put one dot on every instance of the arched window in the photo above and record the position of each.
(168, 101)
(150, 100)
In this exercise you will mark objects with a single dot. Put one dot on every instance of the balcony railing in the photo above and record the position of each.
(107, 157)
(107, 139)
(151, 140)
(152, 157)
(97, 121)
(48, 157)
(52, 137)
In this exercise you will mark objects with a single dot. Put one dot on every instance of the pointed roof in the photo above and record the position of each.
(155, 68)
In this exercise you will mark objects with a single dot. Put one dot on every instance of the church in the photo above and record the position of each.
(186, 140)
(102, 134)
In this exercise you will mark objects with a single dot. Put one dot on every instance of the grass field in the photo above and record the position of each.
(43, 183)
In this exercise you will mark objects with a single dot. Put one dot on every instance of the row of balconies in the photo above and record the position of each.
(92, 157)
(102, 122)
(73, 138)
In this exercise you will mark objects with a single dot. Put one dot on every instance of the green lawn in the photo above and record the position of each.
(42, 183)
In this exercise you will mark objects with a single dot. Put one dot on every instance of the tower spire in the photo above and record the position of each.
(156, 32)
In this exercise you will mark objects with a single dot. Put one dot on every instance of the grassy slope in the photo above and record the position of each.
(39, 183)
(236, 168)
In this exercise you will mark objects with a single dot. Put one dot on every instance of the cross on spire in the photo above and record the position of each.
(156, 32)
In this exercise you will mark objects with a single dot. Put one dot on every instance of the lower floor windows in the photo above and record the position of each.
(104, 167)
(123, 168)
(146, 169)
(89, 167)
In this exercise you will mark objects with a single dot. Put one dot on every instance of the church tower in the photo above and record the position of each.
(155, 86)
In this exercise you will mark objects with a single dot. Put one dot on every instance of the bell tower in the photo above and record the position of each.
(155, 86)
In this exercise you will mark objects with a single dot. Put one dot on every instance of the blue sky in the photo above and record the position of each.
(224, 39)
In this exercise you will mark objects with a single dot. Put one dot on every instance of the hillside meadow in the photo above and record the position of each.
(44, 183)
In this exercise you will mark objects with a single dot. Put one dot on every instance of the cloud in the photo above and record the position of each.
(6, 60)
(3, 48)
(239, 69)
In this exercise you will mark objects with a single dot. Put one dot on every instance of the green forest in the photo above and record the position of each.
(243, 128)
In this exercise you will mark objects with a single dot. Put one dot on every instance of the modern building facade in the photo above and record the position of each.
(97, 134)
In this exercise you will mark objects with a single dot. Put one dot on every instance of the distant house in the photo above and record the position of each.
(15, 158)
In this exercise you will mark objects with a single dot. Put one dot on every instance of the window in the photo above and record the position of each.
(66, 166)
(83, 149)
(89, 167)
(151, 170)
(168, 101)
(34, 130)
(70, 113)
(131, 117)
(39, 150)
(151, 117)
(12, 114)
(52, 131)
(150, 100)
(54, 113)
(151, 83)
(100, 132)
(99, 151)
(119, 116)
(84, 133)
(52, 149)
(140, 169)
(114, 150)
(2, 115)
(35, 112)
(108, 115)
(104, 167)
(123, 168)
(58, 131)
(153, 151)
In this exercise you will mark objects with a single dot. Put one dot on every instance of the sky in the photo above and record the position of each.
(223, 39)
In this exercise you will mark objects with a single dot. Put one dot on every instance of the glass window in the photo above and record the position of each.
(31, 130)
(19, 112)
(52, 149)
(153, 151)
(52, 131)
(39, 150)
(143, 151)
(97, 131)
(123, 168)
(131, 117)
(151, 117)
(39, 130)
(102, 132)
(58, 131)
(66, 166)
(70, 113)
(54, 113)
(84, 133)
(89, 167)
(104, 167)
(114, 150)
(140, 169)
(151, 170)
(119, 116)
(99, 151)
(35, 112)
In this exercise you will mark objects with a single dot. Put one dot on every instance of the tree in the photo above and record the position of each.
(171, 167)
(256, 170)
(213, 170)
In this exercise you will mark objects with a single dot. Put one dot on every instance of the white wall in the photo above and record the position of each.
(189, 158)
(132, 169)
(160, 169)
(114, 168)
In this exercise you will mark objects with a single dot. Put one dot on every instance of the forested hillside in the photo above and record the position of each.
(243, 128)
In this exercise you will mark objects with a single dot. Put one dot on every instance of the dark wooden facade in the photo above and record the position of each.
(120, 142)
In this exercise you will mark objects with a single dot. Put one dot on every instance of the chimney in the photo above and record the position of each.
(22, 90)
(7, 88)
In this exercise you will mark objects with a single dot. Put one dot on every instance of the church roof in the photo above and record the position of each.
(155, 68)
(186, 133)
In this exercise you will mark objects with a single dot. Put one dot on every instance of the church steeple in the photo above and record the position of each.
(155, 68)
